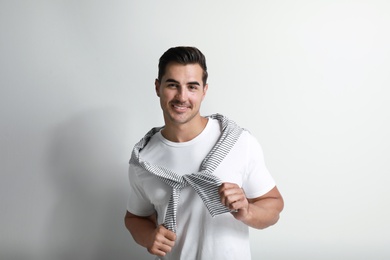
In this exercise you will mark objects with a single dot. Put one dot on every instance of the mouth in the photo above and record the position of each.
(180, 107)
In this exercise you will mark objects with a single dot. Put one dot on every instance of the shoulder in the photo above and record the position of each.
(214, 125)
(248, 139)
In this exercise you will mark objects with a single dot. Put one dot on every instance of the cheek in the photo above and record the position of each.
(163, 99)
(198, 98)
(167, 95)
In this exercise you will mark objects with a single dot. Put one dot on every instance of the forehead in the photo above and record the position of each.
(179, 71)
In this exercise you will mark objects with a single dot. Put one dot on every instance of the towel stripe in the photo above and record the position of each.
(204, 182)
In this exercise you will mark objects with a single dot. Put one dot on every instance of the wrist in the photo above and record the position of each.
(247, 215)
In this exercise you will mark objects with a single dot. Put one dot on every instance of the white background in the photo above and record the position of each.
(310, 79)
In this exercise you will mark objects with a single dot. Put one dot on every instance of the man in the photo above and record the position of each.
(197, 183)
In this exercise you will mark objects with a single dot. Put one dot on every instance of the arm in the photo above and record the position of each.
(157, 239)
(260, 212)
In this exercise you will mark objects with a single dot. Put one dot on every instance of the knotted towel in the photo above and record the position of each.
(204, 182)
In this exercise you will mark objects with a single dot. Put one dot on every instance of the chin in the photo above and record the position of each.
(180, 119)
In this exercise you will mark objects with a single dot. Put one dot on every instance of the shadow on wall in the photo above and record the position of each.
(88, 169)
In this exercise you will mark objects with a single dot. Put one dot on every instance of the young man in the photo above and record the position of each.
(197, 183)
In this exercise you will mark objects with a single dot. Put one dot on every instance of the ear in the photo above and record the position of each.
(205, 88)
(157, 87)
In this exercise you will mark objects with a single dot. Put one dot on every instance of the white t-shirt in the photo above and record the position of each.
(200, 236)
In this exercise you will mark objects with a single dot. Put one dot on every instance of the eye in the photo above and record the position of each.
(193, 87)
(172, 85)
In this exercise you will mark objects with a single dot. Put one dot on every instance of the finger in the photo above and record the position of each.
(161, 246)
(227, 185)
(169, 242)
(165, 237)
(171, 236)
(168, 234)
(233, 200)
(232, 192)
(165, 248)
(239, 204)
(228, 199)
(157, 252)
(229, 195)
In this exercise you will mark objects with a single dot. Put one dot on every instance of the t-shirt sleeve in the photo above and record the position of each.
(258, 181)
(138, 203)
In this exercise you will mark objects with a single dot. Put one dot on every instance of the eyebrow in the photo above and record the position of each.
(193, 83)
(189, 83)
(172, 80)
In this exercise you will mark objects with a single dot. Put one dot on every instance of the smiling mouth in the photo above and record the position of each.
(180, 107)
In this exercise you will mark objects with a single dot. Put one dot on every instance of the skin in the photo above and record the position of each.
(259, 213)
(181, 92)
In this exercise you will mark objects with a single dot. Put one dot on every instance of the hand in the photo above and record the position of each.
(162, 241)
(233, 197)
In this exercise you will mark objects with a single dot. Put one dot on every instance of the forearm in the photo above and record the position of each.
(263, 213)
(156, 239)
(260, 212)
(141, 228)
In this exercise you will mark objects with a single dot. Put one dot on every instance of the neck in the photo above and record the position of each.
(184, 132)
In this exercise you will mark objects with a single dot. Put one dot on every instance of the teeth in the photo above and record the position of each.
(180, 107)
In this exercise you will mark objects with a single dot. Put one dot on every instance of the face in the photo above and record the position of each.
(181, 93)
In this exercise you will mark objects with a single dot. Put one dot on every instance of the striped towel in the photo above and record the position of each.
(204, 182)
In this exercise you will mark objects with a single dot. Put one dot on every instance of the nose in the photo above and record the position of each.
(182, 94)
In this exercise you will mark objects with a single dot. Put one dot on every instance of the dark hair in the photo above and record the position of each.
(183, 55)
